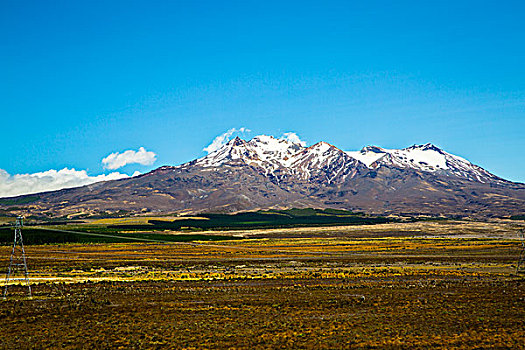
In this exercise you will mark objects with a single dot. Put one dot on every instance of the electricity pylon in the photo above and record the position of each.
(18, 258)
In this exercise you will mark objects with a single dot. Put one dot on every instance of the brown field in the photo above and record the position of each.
(440, 288)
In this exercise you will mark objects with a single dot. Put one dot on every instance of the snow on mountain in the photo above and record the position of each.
(274, 150)
(264, 151)
(324, 161)
(425, 157)
(266, 172)
(280, 156)
(368, 155)
(271, 154)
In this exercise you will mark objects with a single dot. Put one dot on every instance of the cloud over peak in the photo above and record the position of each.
(223, 139)
(118, 160)
(293, 137)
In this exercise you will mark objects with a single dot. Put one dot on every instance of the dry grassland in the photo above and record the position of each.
(431, 290)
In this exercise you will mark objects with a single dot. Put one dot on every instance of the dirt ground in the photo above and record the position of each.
(336, 292)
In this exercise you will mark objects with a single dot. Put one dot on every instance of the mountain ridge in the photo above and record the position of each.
(266, 172)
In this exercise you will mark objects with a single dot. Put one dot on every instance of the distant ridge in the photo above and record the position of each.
(266, 172)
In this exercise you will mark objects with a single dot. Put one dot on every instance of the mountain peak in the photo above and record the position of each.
(272, 172)
(426, 147)
(372, 148)
(237, 141)
(270, 154)
(273, 142)
(263, 138)
(323, 146)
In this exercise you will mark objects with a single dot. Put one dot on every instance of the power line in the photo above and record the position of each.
(106, 235)
(194, 244)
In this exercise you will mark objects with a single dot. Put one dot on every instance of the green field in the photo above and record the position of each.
(265, 219)
(166, 229)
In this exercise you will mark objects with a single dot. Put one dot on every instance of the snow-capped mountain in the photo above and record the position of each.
(263, 151)
(271, 154)
(425, 157)
(266, 172)
(324, 162)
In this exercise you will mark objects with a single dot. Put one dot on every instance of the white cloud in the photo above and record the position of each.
(223, 139)
(50, 180)
(118, 160)
(293, 137)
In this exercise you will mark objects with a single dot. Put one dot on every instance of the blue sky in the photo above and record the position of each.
(83, 79)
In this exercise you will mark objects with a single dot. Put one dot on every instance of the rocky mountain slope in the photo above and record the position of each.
(266, 172)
